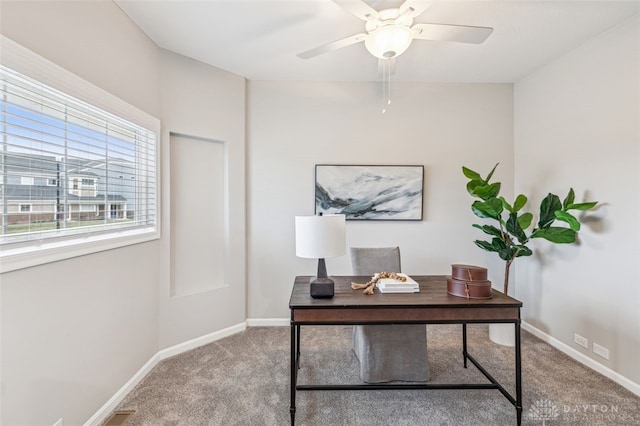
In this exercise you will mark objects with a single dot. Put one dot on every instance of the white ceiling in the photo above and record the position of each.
(259, 39)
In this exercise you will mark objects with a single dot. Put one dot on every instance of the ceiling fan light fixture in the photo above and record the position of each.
(388, 41)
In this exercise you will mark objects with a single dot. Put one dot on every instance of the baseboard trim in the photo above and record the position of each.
(201, 341)
(583, 359)
(268, 322)
(101, 415)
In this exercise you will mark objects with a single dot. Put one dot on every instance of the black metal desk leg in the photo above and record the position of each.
(294, 371)
(464, 343)
(298, 345)
(518, 374)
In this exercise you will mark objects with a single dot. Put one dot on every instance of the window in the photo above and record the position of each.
(78, 152)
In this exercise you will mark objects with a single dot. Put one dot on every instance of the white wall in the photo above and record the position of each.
(577, 123)
(204, 102)
(294, 125)
(75, 331)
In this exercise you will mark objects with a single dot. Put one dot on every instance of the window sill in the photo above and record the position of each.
(27, 257)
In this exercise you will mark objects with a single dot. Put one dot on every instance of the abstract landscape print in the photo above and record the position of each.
(370, 192)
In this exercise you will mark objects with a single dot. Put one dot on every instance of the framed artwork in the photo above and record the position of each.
(370, 192)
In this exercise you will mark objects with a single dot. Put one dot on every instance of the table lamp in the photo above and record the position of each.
(319, 237)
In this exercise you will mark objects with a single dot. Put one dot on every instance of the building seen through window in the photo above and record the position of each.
(66, 165)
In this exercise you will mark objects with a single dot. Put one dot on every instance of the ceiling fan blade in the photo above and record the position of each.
(360, 9)
(386, 67)
(334, 45)
(457, 33)
(414, 8)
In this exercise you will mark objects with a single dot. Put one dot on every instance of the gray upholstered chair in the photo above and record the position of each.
(387, 352)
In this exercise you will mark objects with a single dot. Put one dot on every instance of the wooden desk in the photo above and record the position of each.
(433, 305)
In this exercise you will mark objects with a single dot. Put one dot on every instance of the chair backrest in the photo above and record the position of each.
(369, 260)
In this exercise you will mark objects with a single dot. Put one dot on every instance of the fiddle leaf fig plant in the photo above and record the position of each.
(510, 232)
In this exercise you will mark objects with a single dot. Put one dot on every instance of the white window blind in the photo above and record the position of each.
(85, 172)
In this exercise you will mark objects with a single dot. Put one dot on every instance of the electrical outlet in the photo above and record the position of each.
(601, 350)
(581, 340)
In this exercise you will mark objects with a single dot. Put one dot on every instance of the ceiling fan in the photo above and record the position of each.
(389, 32)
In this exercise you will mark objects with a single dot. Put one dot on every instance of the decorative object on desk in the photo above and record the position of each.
(320, 237)
(370, 192)
(509, 238)
(401, 283)
(388, 282)
(469, 281)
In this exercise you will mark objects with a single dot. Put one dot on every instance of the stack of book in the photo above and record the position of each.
(392, 285)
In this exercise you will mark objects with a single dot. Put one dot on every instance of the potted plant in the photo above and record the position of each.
(512, 229)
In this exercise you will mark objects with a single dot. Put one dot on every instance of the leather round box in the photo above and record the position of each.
(480, 289)
(468, 273)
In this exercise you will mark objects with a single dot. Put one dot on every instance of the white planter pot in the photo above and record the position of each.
(502, 334)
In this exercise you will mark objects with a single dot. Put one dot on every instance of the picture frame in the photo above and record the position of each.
(370, 192)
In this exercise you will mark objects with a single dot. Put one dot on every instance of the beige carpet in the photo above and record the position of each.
(244, 380)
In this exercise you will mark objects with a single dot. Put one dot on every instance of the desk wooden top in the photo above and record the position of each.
(433, 293)
(431, 304)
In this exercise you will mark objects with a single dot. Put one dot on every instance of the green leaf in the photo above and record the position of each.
(571, 196)
(507, 253)
(498, 243)
(513, 227)
(519, 203)
(485, 245)
(556, 234)
(582, 206)
(486, 191)
(568, 218)
(523, 251)
(525, 220)
(489, 229)
(471, 174)
(491, 172)
(492, 208)
(548, 207)
(472, 184)
(506, 205)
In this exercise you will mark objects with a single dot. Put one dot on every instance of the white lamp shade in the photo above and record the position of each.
(388, 41)
(320, 237)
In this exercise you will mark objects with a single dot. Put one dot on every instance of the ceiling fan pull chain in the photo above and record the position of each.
(384, 86)
(388, 81)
